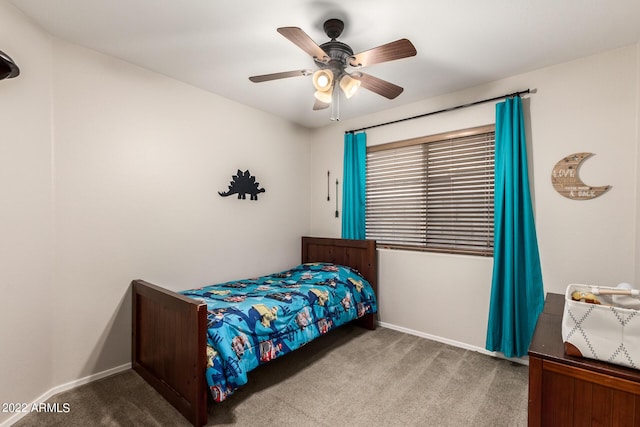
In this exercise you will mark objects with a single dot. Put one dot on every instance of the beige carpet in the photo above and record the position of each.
(352, 377)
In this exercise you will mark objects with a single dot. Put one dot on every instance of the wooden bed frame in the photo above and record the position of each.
(169, 331)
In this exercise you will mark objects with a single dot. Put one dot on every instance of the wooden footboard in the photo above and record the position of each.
(169, 347)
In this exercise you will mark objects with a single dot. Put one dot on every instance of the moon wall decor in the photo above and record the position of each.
(566, 180)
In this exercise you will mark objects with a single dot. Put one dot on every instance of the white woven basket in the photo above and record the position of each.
(608, 331)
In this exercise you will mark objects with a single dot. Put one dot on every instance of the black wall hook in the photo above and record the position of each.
(8, 68)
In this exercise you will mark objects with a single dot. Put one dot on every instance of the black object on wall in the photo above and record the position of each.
(8, 68)
(242, 184)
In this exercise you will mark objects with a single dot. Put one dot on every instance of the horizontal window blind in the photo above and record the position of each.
(433, 193)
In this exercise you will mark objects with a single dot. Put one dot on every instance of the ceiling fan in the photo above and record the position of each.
(332, 59)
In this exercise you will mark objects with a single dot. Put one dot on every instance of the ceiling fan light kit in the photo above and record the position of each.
(332, 59)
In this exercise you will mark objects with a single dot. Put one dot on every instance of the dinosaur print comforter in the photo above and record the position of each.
(255, 320)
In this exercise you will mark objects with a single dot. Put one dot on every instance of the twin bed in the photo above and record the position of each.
(206, 340)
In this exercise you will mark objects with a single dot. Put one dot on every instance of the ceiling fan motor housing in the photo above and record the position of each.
(339, 54)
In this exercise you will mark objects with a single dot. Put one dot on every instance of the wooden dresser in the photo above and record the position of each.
(568, 391)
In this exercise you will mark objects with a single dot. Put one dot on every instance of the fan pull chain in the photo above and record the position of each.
(335, 104)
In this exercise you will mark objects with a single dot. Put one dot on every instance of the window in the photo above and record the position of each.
(433, 193)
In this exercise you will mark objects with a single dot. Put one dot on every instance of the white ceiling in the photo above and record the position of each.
(217, 44)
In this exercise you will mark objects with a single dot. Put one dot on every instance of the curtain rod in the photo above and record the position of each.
(444, 110)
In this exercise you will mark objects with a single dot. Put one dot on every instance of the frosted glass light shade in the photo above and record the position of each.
(349, 85)
(322, 79)
(323, 96)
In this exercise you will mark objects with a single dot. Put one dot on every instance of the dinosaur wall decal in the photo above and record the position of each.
(243, 183)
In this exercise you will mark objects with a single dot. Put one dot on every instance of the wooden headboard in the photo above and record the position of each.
(358, 254)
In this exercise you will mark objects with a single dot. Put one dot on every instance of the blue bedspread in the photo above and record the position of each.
(255, 320)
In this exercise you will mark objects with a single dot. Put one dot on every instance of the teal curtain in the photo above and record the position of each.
(353, 186)
(517, 294)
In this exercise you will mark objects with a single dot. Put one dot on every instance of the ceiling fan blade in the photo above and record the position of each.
(304, 42)
(282, 75)
(379, 86)
(319, 105)
(398, 49)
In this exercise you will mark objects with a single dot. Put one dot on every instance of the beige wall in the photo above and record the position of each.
(139, 159)
(586, 105)
(111, 173)
(637, 155)
(26, 232)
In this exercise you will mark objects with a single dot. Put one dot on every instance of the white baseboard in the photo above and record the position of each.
(64, 387)
(523, 361)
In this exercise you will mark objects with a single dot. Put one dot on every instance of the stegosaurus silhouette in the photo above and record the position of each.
(243, 183)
